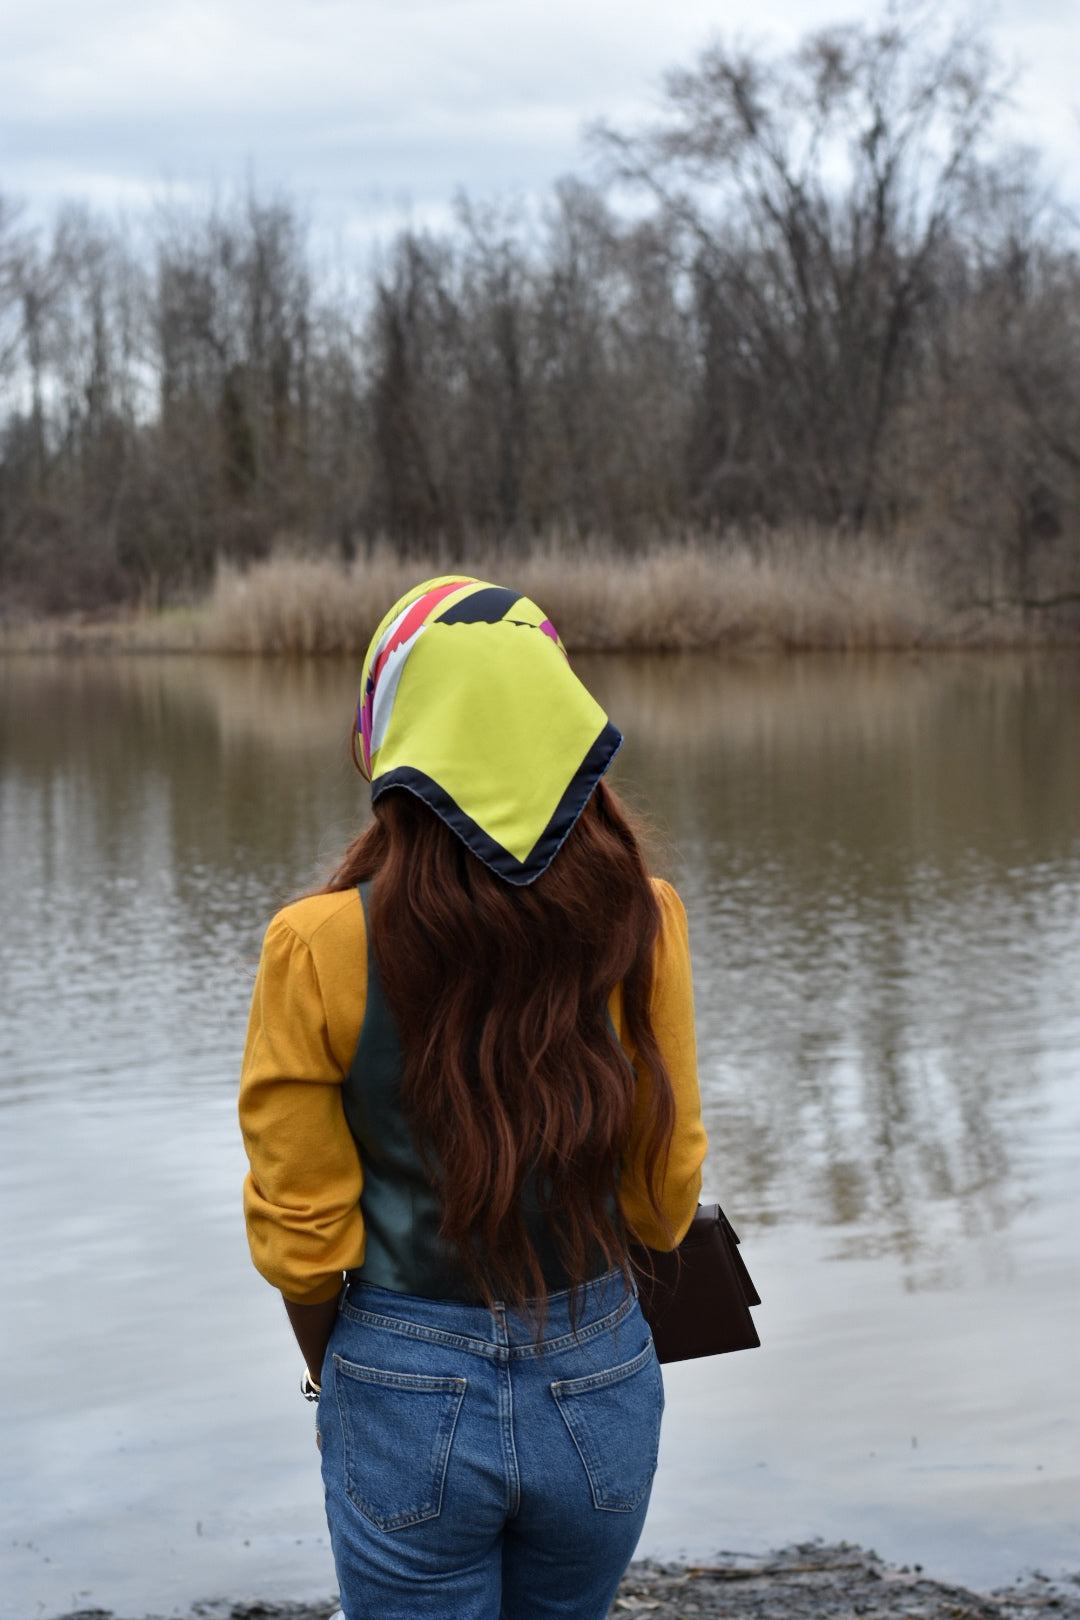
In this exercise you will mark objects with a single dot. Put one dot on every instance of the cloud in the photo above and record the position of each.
(342, 100)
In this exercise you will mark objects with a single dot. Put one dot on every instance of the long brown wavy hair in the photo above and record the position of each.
(512, 1068)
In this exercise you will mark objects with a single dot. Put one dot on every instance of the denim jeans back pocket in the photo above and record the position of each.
(614, 1421)
(397, 1430)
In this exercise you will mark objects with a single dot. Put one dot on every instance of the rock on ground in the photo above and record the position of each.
(818, 1582)
(808, 1582)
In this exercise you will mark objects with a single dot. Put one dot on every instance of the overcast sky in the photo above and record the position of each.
(371, 110)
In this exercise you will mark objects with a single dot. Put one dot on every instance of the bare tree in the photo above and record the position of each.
(812, 192)
(15, 245)
(841, 302)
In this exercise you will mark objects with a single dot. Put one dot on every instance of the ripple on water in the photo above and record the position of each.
(880, 861)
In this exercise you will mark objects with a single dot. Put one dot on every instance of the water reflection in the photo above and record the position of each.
(881, 865)
(879, 857)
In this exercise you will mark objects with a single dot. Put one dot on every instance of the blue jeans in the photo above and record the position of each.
(474, 1474)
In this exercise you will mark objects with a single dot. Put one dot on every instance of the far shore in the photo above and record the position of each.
(799, 593)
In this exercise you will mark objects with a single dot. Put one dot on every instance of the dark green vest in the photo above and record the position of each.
(400, 1206)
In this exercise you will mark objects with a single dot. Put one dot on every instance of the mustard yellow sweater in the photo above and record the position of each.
(302, 1194)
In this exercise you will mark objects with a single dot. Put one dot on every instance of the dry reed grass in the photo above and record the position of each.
(799, 591)
(127, 631)
(807, 590)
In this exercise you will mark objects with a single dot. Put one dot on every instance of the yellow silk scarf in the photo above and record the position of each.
(468, 701)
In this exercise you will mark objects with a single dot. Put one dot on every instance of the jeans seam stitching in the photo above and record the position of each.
(414, 1330)
(602, 1380)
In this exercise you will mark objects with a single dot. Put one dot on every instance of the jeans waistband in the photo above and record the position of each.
(570, 1316)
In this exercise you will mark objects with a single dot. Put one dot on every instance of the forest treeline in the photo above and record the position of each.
(814, 292)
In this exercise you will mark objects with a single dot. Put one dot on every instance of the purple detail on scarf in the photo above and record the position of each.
(549, 630)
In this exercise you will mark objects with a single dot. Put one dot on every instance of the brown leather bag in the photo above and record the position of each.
(697, 1298)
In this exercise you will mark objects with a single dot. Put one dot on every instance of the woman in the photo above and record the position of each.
(469, 1082)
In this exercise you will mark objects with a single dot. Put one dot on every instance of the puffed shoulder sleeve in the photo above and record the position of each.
(301, 1195)
(672, 1011)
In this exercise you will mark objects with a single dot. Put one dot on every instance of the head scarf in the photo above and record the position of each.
(468, 700)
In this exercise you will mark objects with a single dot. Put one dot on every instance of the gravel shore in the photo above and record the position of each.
(810, 1582)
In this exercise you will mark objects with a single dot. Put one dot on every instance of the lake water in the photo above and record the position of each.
(881, 864)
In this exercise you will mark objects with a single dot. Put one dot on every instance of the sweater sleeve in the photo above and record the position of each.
(301, 1195)
(672, 1011)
